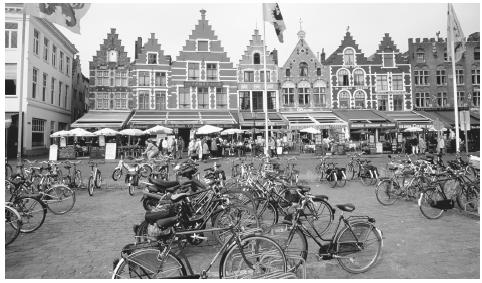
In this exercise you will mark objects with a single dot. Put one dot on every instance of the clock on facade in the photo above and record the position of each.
(112, 56)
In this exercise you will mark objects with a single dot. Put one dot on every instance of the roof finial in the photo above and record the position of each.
(301, 33)
(203, 14)
(256, 23)
(347, 28)
(301, 21)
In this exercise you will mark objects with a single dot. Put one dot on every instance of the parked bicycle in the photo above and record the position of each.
(95, 179)
(13, 223)
(74, 176)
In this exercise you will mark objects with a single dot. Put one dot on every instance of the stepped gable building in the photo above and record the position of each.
(150, 81)
(251, 85)
(110, 95)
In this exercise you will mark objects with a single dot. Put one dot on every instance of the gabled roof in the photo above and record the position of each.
(112, 42)
(337, 59)
(387, 45)
(301, 45)
(152, 46)
(256, 43)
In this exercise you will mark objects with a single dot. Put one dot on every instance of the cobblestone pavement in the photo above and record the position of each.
(84, 242)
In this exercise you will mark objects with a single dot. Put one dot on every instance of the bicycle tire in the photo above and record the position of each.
(131, 189)
(234, 213)
(347, 245)
(62, 194)
(386, 192)
(90, 186)
(13, 224)
(144, 264)
(66, 180)
(78, 179)
(332, 179)
(141, 232)
(467, 198)
(321, 212)
(145, 171)
(427, 199)
(261, 250)
(267, 213)
(98, 179)
(341, 182)
(240, 196)
(28, 208)
(350, 171)
(116, 174)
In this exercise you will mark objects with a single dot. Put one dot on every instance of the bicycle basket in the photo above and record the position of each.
(444, 204)
(292, 196)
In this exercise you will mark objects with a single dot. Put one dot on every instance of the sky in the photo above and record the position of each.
(325, 24)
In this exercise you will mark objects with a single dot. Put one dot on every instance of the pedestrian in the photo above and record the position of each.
(441, 146)
(422, 145)
(180, 147)
(404, 144)
(191, 148)
(151, 149)
(199, 149)
(174, 147)
(414, 143)
(271, 146)
(325, 145)
(214, 147)
(205, 150)
(164, 146)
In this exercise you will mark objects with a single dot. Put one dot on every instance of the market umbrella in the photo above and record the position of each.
(310, 131)
(232, 132)
(413, 130)
(361, 131)
(106, 132)
(132, 132)
(208, 129)
(59, 134)
(78, 132)
(432, 129)
(158, 130)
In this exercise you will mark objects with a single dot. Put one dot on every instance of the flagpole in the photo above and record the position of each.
(454, 83)
(20, 96)
(265, 96)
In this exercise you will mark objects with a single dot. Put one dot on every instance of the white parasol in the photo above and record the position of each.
(59, 134)
(78, 132)
(413, 130)
(208, 129)
(232, 132)
(158, 130)
(106, 132)
(310, 131)
(132, 132)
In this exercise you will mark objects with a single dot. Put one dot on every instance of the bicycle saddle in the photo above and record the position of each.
(167, 222)
(163, 184)
(348, 207)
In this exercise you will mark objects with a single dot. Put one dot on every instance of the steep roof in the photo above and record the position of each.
(152, 45)
(256, 43)
(112, 42)
(337, 59)
(301, 46)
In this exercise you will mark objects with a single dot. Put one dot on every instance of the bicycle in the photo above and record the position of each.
(433, 201)
(351, 244)
(74, 177)
(95, 179)
(354, 165)
(13, 224)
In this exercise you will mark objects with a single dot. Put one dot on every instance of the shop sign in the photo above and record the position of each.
(372, 125)
(203, 84)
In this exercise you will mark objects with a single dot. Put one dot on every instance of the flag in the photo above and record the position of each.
(64, 14)
(272, 14)
(455, 35)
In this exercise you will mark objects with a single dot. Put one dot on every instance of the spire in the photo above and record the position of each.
(203, 14)
(301, 34)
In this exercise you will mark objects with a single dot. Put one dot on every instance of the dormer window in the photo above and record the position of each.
(288, 72)
(152, 58)
(388, 60)
(202, 45)
(349, 57)
(256, 59)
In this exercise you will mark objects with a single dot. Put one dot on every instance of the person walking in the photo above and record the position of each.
(414, 143)
(151, 149)
(164, 146)
(422, 145)
(199, 149)
(214, 147)
(191, 148)
(441, 145)
(174, 147)
(271, 146)
(180, 147)
(205, 150)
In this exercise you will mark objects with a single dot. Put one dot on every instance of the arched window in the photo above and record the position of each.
(349, 57)
(344, 99)
(343, 76)
(420, 55)
(359, 99)
(303, 69)
(256, 59)
(359, 77)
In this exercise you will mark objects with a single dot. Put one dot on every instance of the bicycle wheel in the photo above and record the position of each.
(145, 171)
(366, 178)
(341, 182)
(322, 175)
(145, 264)
(59, 199)
(319, 214)
(387, 192)
(241, 197)
(13, 223)
(234, 213)
(98, 179)
(116, 174)
(468, 197)
(8, 171)
(32, 211)
(78, 179)
(426, 202)
(350, 171)
(256, 257)
(66, 180)
(358, 247)
(293, 243)
(267, 213)
(90, 186)
(131, 189)
(332, 179)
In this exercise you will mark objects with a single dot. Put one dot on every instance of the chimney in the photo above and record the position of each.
(322, 56)
(274, 55)
(138, 47)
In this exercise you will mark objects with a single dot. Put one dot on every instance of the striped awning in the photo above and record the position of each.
(407, 119)
(258, 119)
(102, 119)
(317, 120)
(144, 119)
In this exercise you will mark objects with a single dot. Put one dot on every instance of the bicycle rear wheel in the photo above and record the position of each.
(13, 223)
(90, 186)
(59, 199)
(350, 171)
(332, 179)
(33, 212)
(256, 257)
(387, 192)
(78, 179)
(234, 213)
(468, 198)
(98, 180)
(267, 213)
(428, 198)
(145, 264)
(358, 254)
(319, 214)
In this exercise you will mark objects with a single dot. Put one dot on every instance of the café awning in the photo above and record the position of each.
(317, 120)
(248, 119)
(102, 119)
(363, 119)
(447, 118)
(407, 119)
(175, 118)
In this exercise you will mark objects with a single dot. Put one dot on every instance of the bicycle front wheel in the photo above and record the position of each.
(255, 257)
(145, 264)
(319, 214)
(90, 186)
(59, 199)
(98, 180)
(78, 179)
(13, 223)
(234, 213)
(267, 213)
(468, 198)
(428, 198)
(32, 211)
(332, 179)
(386, 192)
(358, 247)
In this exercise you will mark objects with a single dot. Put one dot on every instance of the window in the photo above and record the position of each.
(61, 63)
(446, 57)
(34, 82)
(124, 78)
(343, 78)
(111, 78)
(318, 72)
(476, 53)
(359, 77)
(221, 98)
(476, 77)
(44, 86)
(102, 78)
(11, 35)
(54, 55)
(60, 92)
(203, 98)
(184, 97)
(288, 72)
(144, 79)
(303, 96)
(151, 58)
(36, 36)
(256, 59)
(271, 100)
(52, 126)
(244, 100)
(421, 77)
(388, 60)
(202, 45)
(268, 76)
(120, 100)
(441, 99)
(67, 66)
(397, 102)
(248, 76)
(257, 100)
(397, 82)
(420, 55)
(382, 103)
(303, 69)
(160, 78)
(476, 98)
(118, 79)
(288, 96)
(382, 83)
(212, 72)
(193, 71)
(38, 132)
(459, 76)
(344, 100)
(441, 77)
(101, 101)
(52, 90)
(319, 96)
(349, 57)
(46, 49)
(10, 87)
(359, 99)
(461, 97)
(422, 99)
(66, 96)
(143, 100)
(160, 100)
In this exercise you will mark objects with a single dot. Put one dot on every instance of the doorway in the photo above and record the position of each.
(184, 134)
